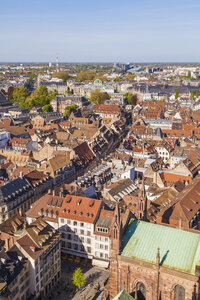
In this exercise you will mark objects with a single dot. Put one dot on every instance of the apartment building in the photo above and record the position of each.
(4, 138)
(83, 223)
(14, 272)
(15, 196)
(60, 168)
(84, 234)
(41, 246)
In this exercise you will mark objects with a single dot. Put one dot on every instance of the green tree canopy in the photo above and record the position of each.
(69, 93)
(98, 97)
(118, 79)
(47, 108)
(192, 94)
(189, 74)
(78, 278)
(20, 94)
(197, 93)
(69, 109)
(130, 77)
(36, 98)
(177, 94)
(62, 75)
(132, 99)
(86, 75)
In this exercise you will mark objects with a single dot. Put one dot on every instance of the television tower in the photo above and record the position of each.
(57, 63)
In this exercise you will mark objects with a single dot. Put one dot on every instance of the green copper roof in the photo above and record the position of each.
(179, 249)
(123, 295)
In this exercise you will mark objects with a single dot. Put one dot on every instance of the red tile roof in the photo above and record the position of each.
(80, 208)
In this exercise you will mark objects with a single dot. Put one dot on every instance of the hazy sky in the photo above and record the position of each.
(100, 30)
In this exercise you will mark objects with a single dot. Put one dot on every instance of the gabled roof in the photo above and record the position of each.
(84, 152)
(123, 295)
(188, 201)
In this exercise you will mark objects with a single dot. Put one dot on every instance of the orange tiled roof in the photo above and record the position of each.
(80, 208)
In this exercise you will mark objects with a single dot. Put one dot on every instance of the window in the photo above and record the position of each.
(81, 224)
(89, 241)
(62, 220)
(88, 233)
(75, 223)
(101, 254)
(68, 221)
(89, 249)
(82, 231)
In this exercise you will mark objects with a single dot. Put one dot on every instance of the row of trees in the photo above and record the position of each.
(40, 97)
(193, 94)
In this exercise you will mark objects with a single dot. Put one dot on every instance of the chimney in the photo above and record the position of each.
(21, 175)
(49, 191)
(20, 211)
(53, 193)
(61, 192)
(7, 244)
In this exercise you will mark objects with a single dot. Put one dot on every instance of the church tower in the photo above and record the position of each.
(143, 205)
(116, 231)
(114, 286)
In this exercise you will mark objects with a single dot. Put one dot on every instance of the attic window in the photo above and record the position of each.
(69, 200)
(74, 212)
(64, 210)
(91, 216)
(80, 214)
(87, 215)
(68, 211)
(91, 204)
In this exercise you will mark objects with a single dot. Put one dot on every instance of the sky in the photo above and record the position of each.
(100, 30)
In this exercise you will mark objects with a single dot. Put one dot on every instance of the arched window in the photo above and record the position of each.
(140, 291)
(179, 292)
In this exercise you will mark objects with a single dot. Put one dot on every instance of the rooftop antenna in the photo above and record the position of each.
(57, 63)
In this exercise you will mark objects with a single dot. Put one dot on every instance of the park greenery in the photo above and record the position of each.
(98, 97)
(47, 108)
(69, 93)
(130, 77)
(90, 76)
(39, 97)
(131, 99)
(61, 75)
(78, 278)
(177, 94)
(69, 109)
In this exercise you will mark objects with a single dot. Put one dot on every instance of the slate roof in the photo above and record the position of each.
(8, 191)
(179, 249)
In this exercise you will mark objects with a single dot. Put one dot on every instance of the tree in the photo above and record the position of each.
(61, 75)
(10, 93)
(189, 75)
(98, 97)
(132, 99)
(118, 79)
(177, 94)
(197, 93)
(20, 94)
(86, 75)
(47, 108)
(69, 109)
(192, 94)
(130, 77)
(78, 278)
(69, 93)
